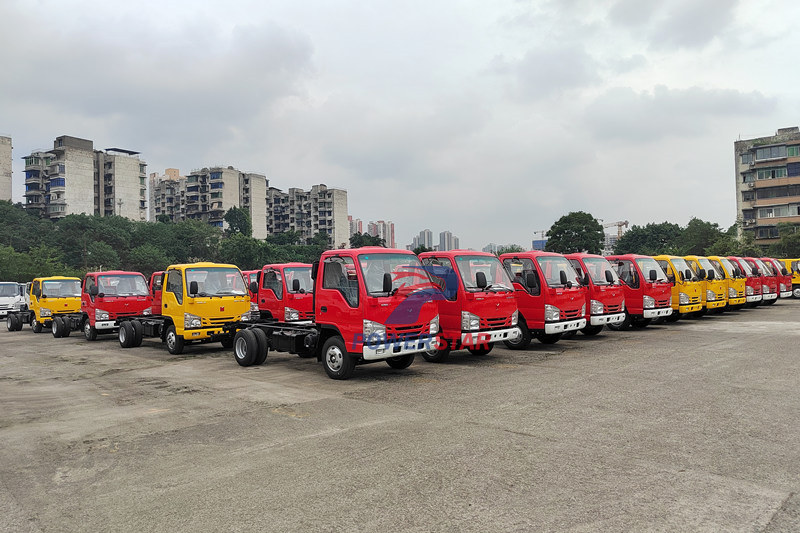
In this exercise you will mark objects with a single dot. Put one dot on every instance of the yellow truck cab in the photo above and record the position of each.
(686, 289)
(52, 296)
(733, 278)
(714, 294)
(793, 266)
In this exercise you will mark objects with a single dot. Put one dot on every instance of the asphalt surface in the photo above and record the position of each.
(692, 426)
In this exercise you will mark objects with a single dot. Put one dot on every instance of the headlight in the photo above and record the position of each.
(245, 317)
(710, 296)
(373, 329)
(764, 289)
(596, 307)
(434, 329)
(683, 299)
(470, 322)
(731, 293)
(551, 313)
(191, 321)
(45, 312)
(648, 302)
(253, 307)
(147, 312)
(290, 314)
(515, 318)
(783, 287)
(99, 314)
(749, 290)
(583, 310)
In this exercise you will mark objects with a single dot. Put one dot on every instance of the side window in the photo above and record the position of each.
(35, 291)
(518, 271)
(578, 268)
(668, 269)
(88, 284)
(158, 281)
(627, 273)
(339, 273)
(175, 284)
(272, 280)
(443, 275)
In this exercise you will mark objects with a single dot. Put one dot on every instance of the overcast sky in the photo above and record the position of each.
(488, 119)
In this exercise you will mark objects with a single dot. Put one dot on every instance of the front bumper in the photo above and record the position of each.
(656, 313)
(602, 320)
(786, 294)
(737, 301)
(770, 296)
(716, 304)
(376, 352)
(201, 333)
(105, 324)
(690, 308)
(754, 298)
(551, 328)
(479, 338)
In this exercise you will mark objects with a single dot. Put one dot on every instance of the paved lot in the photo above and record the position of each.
(687, 426)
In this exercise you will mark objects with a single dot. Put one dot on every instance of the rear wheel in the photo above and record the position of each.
(770, 302)
(138, 333)
(245, 347)
(174, 341)
(89, 331)
(437, 354)
(590, 331)
(11, 323)
(401, 361)
(126, 334)
(263, 346)
(523, 341)
(796, 291)
(544, 338)
(338, 363)
(66, 327)
(57, 327)
(481, 350)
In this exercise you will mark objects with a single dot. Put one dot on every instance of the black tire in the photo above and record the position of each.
(338, 363)
(11, 322)
(640, 322)
(138, 333)
(482, 350)
(619, 326)
(245, 347)
(57, 327)
(796, 291)
(89, 331)
(19, 322)
(174, 341)
(36, 326)
(591, 331)
(401, 361)
(674, 317)
(770, 302)
(263, 346)
(66, 327)
(524, 340)
(544, 338)
(437, 355)
(127, 334)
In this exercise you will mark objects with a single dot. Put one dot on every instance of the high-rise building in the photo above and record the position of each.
(447, 241)
(356, 225)
(207, 194)
(384, 230)
(5, 168)
(309, 212)
(120, 184)
(425, 239)
(768, 183)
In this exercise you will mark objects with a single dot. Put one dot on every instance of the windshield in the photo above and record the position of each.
(646, 264)
(723, 269)
(405, 270)
(470, 265)
(126, 285)
(217, 281)
(553, 266)
(746, 268)
(680, 265)
(766, 268)
(65, 288)
(303, 274)
(8, 289)
(597, 268)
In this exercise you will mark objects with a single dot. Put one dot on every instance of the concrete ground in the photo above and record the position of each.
(692, 426)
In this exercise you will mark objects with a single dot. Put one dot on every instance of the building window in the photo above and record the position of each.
(746, 158)
(57, 182)
(748, 196)
(142, 168)
(770, 152)
(793, 151)
(749, 177)
(771, 173)
(61, 168)
(216, 175)
(217, 185)
(767, 233)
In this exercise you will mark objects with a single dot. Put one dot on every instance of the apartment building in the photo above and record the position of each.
(207, 194)
(5, 168)
(447, 241)
(309, 212)
(74, 178)
(356, 225)
(768, 183)
(384, 230)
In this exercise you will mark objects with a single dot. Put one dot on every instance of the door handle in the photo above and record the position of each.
(323, 309)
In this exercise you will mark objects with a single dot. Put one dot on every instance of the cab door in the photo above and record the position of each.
(172, 298)
(156, 284)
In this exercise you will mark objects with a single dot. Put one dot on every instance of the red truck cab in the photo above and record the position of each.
(108, 296)
(783, 275)
(286, 292)
(549, 295)
(156, 282)
(478, 307)
(769, 280)
(752, 284)
(605, 295)
(648, 292)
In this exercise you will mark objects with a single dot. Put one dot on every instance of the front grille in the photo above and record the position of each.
(306, 315)
(128, 313)
(5, 307)
(407, 332)
(217, 321)
(613, 309)
(569, 315)
(495, 323)
(694, 300)
(662, 303)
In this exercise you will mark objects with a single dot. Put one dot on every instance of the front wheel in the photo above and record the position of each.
(590, 331)
(437, 354)
(523, 341)
(674, 317)
(89, 331)
(796, 291)
(174, 341)
(36, 326)
(338, 363)
(263, 346)
(640, 322)
(127, 335)
(227, 342)
(544, 338)
(481, 350)
(770, 302)
(619, 326)
(401, 361)
(11, 322)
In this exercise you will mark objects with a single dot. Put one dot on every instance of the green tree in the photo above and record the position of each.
(164, 218)
(287, 237)
(147, 258)
(698, 235)
(357, 240)
(238, 220)
(650, 239)
(422, 249)
(242, 251)
(322, 238)
(576, 232)
(509, 249)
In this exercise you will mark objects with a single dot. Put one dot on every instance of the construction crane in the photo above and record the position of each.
(619, 224)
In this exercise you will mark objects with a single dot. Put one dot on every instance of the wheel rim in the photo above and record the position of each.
(9, 323)
(87, 329)
(123, 335)
(171, 340)
(34, 323)
(240, 348)
(796, 293)
(334, 358)
(54, 327)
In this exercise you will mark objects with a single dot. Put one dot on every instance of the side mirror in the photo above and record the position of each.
(711, 275)
(296, 285)
(756, 271)
(387, 282)
(480, 280)
(253, 286)
(680, 275)
(609, 276)
(585, 280)
(562, 277)
(653, 275)
(688, 274)
(530, 279)
(702, 273)
(93, 290)
(193, 288)
(784, 271)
